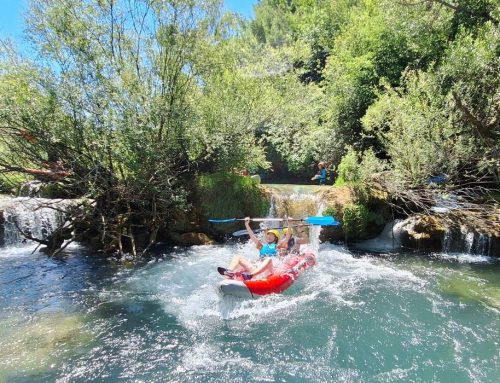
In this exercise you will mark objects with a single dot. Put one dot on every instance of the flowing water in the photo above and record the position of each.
(81, 317)
(363, 318)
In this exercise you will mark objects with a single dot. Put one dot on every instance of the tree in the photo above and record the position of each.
(118, 77)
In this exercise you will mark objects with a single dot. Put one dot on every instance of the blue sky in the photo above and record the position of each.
(11, 18)
(11, 15)
(245, 7)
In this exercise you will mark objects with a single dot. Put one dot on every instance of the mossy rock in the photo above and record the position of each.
(225, 195)
(184, 222)
(359, 220)
(191, 239)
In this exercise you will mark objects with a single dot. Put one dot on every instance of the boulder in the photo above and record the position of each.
(423, 232)
(191, 239)
(183, 222)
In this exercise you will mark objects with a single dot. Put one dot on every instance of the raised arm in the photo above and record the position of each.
(289, 231)
(283, 245)
(251, 233)
(303, 238)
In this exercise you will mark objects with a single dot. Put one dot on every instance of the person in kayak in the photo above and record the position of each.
(267, 250)
(322, 173)
(292, 245)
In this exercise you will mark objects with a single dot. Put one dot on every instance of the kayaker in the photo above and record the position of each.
(292, 245)
(322, 173)
(267, 250)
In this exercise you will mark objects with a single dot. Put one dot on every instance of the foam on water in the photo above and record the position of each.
(464, 257)
(18, 251)
(187, 284)
(187, 288)
(350, 318)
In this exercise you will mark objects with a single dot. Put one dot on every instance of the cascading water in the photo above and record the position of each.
(38, 217)
(295, 202)
(387, 241)
(81, 317)
(464, 241)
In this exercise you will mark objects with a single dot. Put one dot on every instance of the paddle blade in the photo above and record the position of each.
(222, 220)
(323, 221)
(239, 233)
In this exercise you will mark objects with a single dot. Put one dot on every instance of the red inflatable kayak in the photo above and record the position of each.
(274, 283)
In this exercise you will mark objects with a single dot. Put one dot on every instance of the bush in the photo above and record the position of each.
(355, 219)
(226, 195)
(348, 169)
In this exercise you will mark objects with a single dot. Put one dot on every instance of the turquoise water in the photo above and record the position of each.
(351, 318)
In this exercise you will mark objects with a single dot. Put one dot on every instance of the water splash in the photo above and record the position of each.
(298, 201)
(346, 319)
(349, 318)
(388, 240)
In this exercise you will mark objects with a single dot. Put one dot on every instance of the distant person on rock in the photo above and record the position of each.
(245, 173)
(322, 172)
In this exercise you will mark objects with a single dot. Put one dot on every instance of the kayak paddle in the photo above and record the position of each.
(239, 233)
(315, 220)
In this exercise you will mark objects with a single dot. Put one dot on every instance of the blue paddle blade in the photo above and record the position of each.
(222, 220)
(323, 221)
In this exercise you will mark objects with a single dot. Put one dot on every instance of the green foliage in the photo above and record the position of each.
(293, 129)
(348, 170)
(135, 97)
(365, 51)
(426, 27)
(271, 25)
(469, 74)
(227, 195)
(114, 104)
(356, 168)
(359, 219)
(355, 219)
(414, 130)
(228, 113)
(331, 211)
(442, 120)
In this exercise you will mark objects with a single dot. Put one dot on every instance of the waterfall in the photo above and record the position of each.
(463, 240)
(38, 217)
(387, 241)
(297, 201)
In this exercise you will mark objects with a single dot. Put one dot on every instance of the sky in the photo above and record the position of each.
(244, 7)
(11, 15)
(11, 18)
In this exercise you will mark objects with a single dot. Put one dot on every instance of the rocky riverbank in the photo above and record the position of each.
(362, 224)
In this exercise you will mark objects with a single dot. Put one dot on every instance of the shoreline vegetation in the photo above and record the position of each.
(144, 110)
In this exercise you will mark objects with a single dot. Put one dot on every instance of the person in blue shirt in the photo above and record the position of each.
(267, 250)
(322, 173)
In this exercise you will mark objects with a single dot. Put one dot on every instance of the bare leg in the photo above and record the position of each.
(240, 262)
(266, 265)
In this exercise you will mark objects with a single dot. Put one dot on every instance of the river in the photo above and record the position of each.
(81, 317)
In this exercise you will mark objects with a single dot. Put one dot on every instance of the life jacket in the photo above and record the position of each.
(268, 250)
(322, 177)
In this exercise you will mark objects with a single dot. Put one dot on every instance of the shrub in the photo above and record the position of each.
(226, 195)
(355, 219)
(348, 169)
